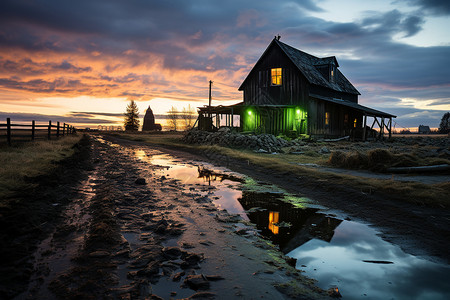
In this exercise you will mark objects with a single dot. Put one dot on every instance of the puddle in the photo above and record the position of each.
(361, 264)
(333, 251)
(165, 286)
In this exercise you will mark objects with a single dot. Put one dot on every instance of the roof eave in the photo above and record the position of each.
(241, 87)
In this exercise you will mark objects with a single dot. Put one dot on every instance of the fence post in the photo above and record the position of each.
(33, 127)
(8, 130)
(49, 130)
(64, 128)
(57, 129)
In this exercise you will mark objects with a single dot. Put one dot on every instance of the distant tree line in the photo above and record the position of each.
(177, 120)
(187, 116)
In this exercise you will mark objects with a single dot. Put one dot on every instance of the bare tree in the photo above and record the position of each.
(188, 115)
(173, 115)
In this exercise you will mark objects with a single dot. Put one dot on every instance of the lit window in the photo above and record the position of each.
(327, 118)
(276, 76)
(354, 123)
(274, 218)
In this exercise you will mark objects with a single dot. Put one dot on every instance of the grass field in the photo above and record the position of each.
(419, 193)
(27, 160)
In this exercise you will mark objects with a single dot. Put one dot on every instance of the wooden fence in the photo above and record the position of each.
(33, 131)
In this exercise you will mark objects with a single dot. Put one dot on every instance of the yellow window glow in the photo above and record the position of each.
(274, 218)
(327, 118)
(354, 123)
(276, 76)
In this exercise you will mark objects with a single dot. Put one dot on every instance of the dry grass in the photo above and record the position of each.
(380, 160)
(419, 193)
(30, 160)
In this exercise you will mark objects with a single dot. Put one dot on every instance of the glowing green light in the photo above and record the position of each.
(298, 111)
(249, 112)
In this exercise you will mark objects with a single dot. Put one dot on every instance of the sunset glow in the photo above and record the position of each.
(82, 63)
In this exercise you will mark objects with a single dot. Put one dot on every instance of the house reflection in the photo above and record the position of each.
(209, 175)
(285, 224)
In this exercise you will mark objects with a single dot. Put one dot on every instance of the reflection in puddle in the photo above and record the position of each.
(274, 217)
(363, 265)
(285, 224)
(347, 254)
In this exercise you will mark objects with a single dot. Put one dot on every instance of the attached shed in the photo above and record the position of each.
(292, 92)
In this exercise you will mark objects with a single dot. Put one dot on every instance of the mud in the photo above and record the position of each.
(134, 232)
(33, 214)
(418, 230)
(129, 230)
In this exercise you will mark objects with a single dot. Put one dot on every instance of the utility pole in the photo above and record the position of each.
(210, 85)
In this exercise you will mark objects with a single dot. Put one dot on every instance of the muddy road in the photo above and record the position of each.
(150, 222)
(135, 232)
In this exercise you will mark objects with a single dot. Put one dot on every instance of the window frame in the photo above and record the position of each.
(278, 77)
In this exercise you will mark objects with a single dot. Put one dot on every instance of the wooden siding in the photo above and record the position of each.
(259, 91)
(322, 91)
(295, 90)
(287, 120)
(339, 124)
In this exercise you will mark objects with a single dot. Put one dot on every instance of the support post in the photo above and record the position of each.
(210, 99)
(33, 128)
(8, 130)
(364, 128)
(49, 131)
(373, 123)
(390, 127)
(64, 128)
(232, 119)
(57, 130)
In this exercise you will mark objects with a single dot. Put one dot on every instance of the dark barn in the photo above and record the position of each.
(294, 93)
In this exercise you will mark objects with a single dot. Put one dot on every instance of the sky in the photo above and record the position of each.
(81, 62)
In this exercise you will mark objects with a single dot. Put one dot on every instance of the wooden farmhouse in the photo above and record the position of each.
(294, 93)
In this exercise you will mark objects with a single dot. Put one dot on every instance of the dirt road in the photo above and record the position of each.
(134, 232)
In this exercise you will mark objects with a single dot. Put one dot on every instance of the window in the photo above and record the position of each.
(274, 218)
(327, 118)
(276, 76)
(355, 122)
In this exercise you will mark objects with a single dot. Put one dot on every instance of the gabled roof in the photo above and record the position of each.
(306, 64)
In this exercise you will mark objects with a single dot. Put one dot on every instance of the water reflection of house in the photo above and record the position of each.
(306, 223)
(292, 92)
(210, 175)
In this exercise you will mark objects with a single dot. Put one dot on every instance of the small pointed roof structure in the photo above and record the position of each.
(149, 121)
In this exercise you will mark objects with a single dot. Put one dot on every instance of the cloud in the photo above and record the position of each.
(170, 49)
(40, 118)
(436, 7)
